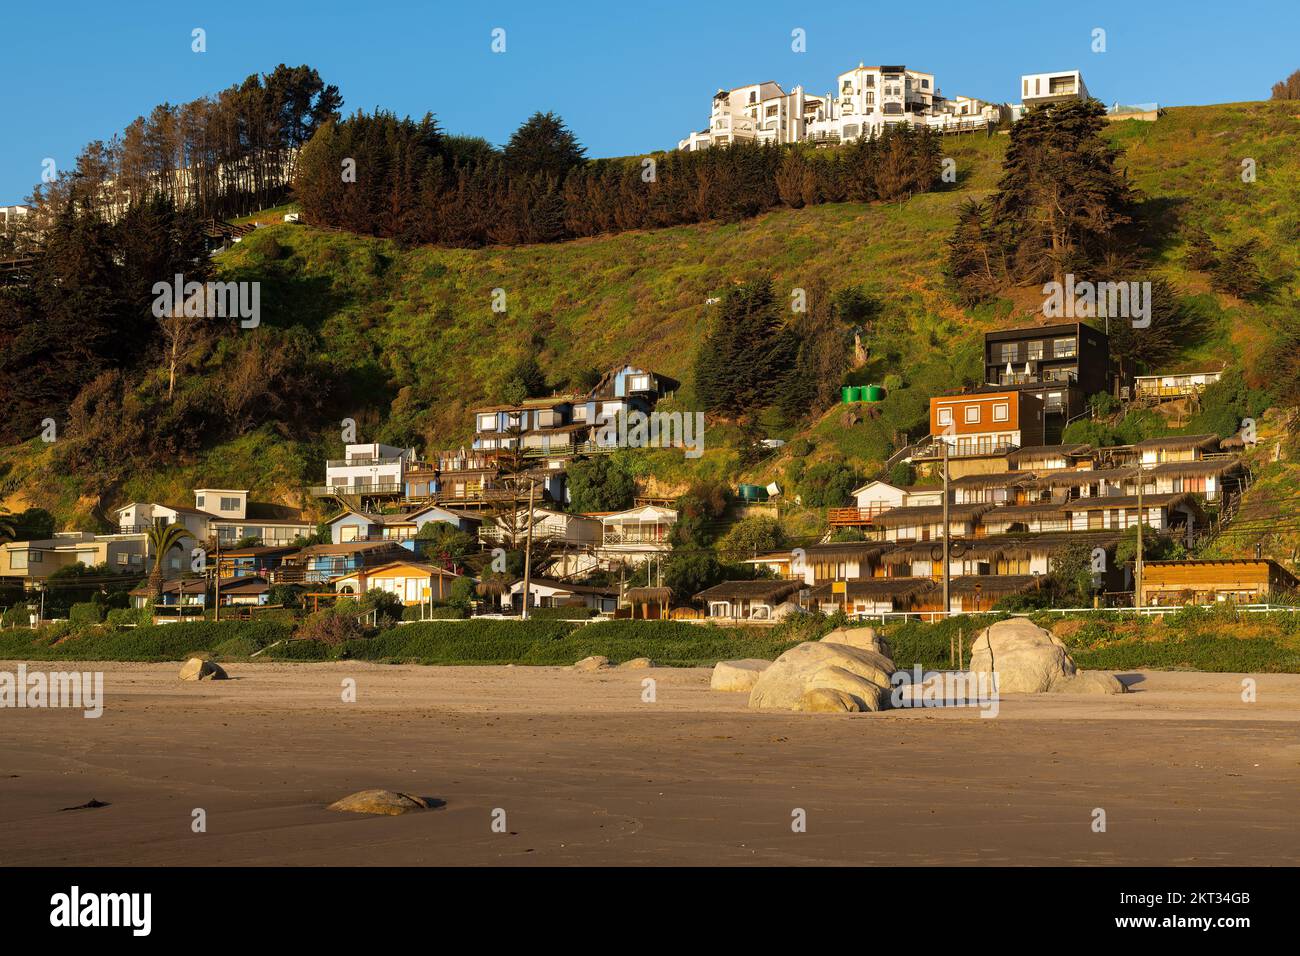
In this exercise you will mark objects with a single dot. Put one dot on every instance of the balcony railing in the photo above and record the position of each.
(321, 491)
(361, 462)
(935, 450)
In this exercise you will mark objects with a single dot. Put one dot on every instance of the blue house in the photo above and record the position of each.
(401, 529)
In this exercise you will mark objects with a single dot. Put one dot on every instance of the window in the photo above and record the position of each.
(945, 416)
(123, 557)
(972, 414)
(487, 422)
(229, 504)
(199, 501)
(1063, 348)
(1035, 351)
(1001, 412)
(1008, 352)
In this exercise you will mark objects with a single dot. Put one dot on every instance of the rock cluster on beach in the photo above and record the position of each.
(1030, 660)
(850, 670)
(846, 671)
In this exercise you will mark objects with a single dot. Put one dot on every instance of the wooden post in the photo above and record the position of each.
(216, 585)
(961, 651)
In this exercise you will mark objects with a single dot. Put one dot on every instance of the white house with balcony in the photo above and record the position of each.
(368, 469)
(633, 537)
(760, 112)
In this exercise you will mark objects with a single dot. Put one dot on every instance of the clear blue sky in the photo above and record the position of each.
(627, 77)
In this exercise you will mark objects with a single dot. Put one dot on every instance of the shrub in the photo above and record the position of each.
(139, 616)
(330, 626)
(86, 613)
(17, 616)
(417, 612)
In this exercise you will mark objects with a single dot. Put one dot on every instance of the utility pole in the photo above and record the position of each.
(947, 597)
(1137, 564)
(528, 548)
(216, 584)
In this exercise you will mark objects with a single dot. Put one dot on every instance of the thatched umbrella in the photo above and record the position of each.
(494, 586)
(648, 596)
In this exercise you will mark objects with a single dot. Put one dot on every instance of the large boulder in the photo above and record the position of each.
(196, 668)
(594, 663)
(1025, 658)
(385, 802)
(787, 609)
(857, 672)
(863, 637)
(738, 675)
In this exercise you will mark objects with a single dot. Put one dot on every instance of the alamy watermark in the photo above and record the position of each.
(209, 300)
(74, 690)
(636, 429)
(946, 689)
(1089, 300)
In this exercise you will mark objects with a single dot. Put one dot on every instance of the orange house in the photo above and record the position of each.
(987, 423)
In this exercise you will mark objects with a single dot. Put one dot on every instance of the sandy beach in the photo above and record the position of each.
(588, 773)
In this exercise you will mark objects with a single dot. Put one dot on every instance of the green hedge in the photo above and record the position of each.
(561, 613)
(161, 642)
(86, 613)
(444, 612)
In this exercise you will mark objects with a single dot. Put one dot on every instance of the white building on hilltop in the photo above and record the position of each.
(1037, 89)
(760, 112)
(866, 99)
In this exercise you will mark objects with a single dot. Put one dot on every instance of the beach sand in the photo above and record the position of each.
(588, 773)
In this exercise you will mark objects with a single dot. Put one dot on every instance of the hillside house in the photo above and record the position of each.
(1171, 448)
(1178, 385)
(631, 538)
(324, 563)
(1060, 365)
(413, 582)
(368, 471)
(34, 561)
(986, 423)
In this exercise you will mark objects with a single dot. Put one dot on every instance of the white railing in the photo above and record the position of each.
(1149, 611)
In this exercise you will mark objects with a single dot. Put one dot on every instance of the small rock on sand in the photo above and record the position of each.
(594, 663)
(739, 675)
(198, 669)
(637, 663)
(1090, 682)
(386, 802)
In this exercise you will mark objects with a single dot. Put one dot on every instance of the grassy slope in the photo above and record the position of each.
(641, 297)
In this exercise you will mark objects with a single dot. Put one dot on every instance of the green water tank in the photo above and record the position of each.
(875, 393)
(846, 394)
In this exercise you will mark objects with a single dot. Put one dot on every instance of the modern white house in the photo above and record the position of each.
(1037, 89)
(368, 469)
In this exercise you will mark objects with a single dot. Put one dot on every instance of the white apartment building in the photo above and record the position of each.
(370, 468)
(219, 514)
(866, 99)
(760, 112)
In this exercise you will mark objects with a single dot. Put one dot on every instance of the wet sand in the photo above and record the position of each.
(588, 773)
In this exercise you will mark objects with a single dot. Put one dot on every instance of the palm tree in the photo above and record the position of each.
(163, 538)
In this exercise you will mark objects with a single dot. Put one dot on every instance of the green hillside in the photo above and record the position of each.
(420, 345)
